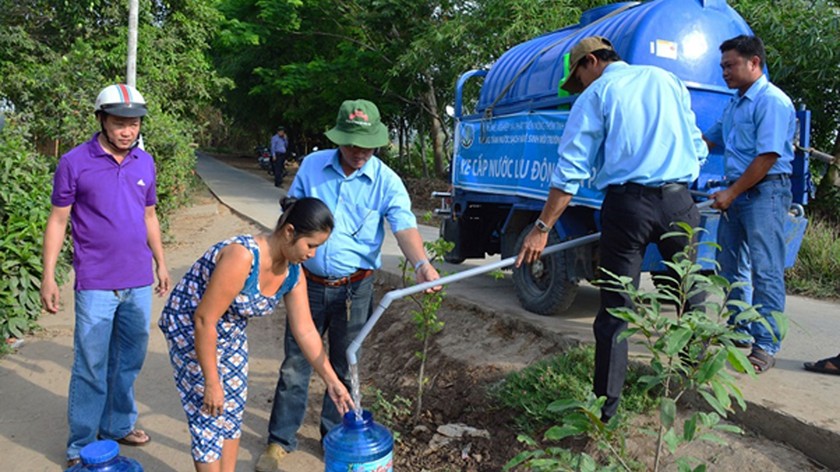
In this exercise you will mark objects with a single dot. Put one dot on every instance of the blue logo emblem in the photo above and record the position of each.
(467, 136)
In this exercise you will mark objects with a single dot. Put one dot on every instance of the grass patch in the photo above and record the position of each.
(817, 269)
(565, 376)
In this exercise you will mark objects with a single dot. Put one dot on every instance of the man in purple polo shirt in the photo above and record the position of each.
(106, 188)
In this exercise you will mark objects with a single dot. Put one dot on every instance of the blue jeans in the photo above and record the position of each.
(329, 312)
(752, 239)
(109, 346)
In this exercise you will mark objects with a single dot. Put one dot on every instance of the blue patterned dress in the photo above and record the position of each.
(177, 323)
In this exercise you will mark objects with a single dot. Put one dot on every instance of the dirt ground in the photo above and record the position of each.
(473, 352)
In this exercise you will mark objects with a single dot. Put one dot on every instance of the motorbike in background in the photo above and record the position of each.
(264, 159)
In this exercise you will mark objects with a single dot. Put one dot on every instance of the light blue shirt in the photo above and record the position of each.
(278, 145)
(760, 121)
(360, 203)
(632, 124)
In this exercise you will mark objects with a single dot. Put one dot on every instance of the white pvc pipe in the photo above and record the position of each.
(389, 297)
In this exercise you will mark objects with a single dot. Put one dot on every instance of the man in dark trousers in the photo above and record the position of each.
(634, 126)
(279, 144)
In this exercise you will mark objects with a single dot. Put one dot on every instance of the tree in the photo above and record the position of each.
(465, 36)
(55, 57)
(54, 69)
(403, 54)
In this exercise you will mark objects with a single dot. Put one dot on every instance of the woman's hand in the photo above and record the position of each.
(340, 396)
(214, 400)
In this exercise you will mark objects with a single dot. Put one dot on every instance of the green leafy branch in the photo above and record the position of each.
(426, 321)
(690, 349)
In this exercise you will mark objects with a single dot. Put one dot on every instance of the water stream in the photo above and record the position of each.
(355, 391)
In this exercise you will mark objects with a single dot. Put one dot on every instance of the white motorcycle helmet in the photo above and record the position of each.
(120, 100)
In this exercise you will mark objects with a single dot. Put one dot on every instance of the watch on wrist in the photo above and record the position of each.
(541, 226)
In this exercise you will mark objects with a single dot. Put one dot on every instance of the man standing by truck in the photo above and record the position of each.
(756, 131)
(632, 130)
(279, 145)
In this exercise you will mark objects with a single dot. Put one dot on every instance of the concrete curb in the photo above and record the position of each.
(817, 443)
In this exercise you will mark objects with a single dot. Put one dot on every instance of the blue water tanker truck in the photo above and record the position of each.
(506, 148)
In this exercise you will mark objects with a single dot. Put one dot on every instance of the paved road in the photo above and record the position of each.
(787, 403)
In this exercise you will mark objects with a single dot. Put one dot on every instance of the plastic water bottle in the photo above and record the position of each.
(359, 445)
(104, 456)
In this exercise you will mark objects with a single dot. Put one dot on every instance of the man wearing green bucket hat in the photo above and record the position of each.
(362, 193)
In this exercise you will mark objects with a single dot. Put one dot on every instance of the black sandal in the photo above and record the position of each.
(761, 360)
(742, 344)
(829, 365)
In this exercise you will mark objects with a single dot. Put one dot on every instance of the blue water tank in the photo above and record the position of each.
(681, 36)
(104, 456)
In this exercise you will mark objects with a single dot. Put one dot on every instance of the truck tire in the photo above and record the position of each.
(544, 287)
(448, 257)
(450, 231)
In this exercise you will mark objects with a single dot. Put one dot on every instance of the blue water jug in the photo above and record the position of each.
(104, 456)
(359, 445)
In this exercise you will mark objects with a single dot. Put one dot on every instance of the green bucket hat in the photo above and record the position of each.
(358, 124)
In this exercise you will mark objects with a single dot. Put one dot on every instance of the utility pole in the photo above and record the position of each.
(131, 62)
(131, 66)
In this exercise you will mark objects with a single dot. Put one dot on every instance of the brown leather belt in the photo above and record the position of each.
(360, 274)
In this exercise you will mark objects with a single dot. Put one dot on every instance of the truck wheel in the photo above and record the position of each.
(452, 259)
(544, 287)
(450, 230)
